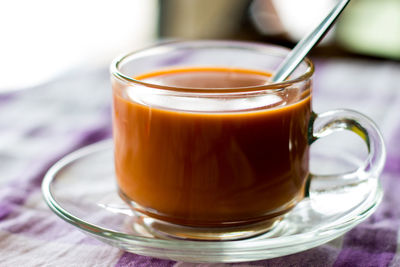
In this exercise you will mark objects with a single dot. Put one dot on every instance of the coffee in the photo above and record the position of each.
(216, 164)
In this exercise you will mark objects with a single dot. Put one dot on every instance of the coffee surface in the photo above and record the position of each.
(210, 78)
(211, 168)
(207, 78)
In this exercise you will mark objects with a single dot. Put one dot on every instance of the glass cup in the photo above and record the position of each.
(205, 148)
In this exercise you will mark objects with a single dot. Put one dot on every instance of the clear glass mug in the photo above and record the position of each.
(198, 158)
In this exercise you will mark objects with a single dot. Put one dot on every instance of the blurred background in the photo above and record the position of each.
(43, 39)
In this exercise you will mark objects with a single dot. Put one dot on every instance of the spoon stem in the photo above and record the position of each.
(298, 53)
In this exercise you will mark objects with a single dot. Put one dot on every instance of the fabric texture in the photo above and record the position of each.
(40, 125)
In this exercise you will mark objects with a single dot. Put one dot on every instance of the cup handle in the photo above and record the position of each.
(329, 122)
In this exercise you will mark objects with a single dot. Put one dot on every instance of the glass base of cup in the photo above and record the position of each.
(148, 225)
(167, 230)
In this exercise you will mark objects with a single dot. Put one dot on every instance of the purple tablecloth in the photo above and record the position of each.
(40, 125)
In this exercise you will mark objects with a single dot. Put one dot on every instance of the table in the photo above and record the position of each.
(39, 125)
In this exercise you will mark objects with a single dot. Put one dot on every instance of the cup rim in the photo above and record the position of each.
(262, 47)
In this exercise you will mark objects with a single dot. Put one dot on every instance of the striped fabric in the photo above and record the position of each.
(40, 125)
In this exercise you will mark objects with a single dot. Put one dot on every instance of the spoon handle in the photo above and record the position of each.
(298, 53)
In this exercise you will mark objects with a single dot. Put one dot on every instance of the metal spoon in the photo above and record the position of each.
(298, 53)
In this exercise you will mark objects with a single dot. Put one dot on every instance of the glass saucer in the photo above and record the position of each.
(81, 189)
